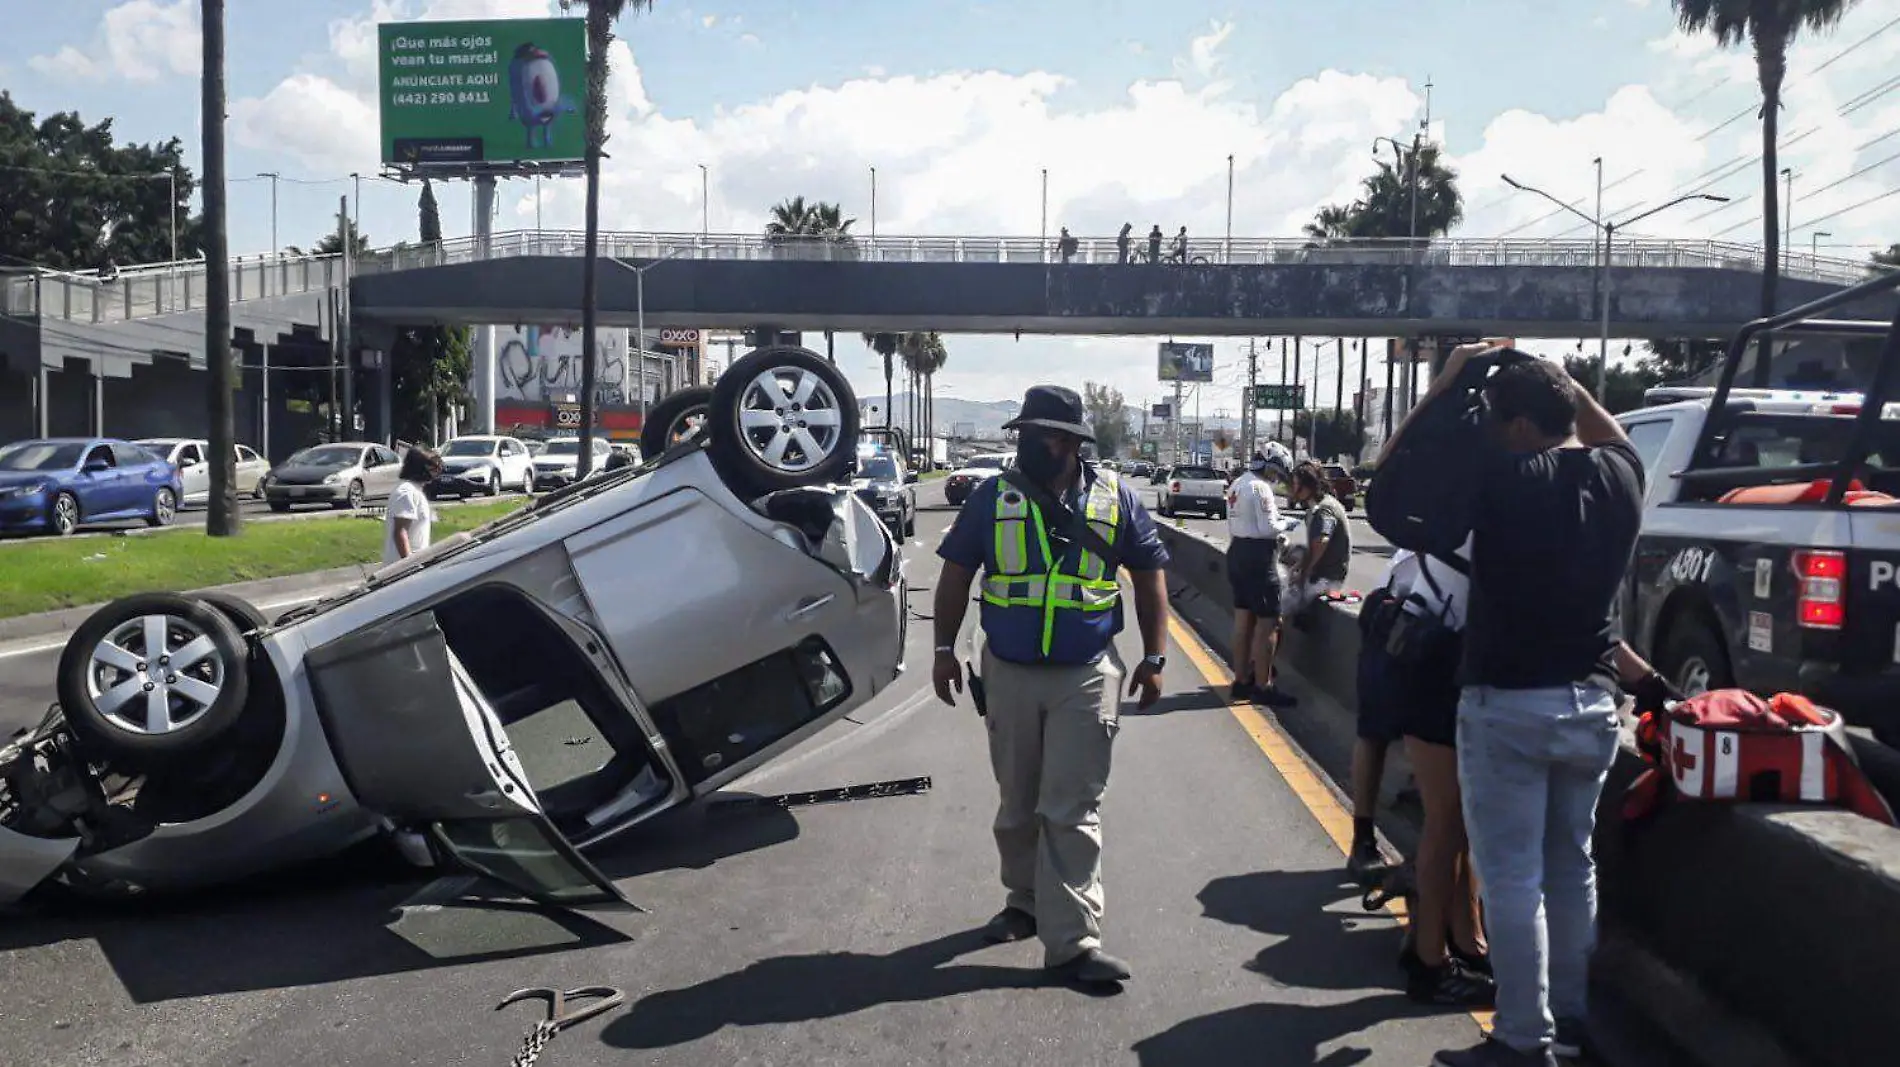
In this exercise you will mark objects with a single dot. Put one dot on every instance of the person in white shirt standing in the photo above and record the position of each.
(1253, 515)
(410, 517)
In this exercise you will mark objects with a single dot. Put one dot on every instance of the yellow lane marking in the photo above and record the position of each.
(1319, 800)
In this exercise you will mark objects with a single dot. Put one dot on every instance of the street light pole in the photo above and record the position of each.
(639, 328)
(1227, 251)
(1045, 214)
(874, 207)
(273, 176)
(705, 201)
(1787, 216)
(356, 207)
(1604, 277)
(1814, 244)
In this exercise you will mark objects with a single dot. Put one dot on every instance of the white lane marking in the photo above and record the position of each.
(265, 606)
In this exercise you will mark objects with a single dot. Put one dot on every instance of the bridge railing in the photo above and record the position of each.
(167, 288)
(163, 288)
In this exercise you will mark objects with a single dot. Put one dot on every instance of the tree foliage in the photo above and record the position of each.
(1108, 417)
(332, 243)
(1881, 262)
(1384, 207)
(1338, 432)
(429, 365)
(73, 199)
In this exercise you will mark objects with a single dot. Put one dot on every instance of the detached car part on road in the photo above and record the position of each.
(514, 695)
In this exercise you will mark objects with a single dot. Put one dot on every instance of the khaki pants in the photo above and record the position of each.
(1052, 730)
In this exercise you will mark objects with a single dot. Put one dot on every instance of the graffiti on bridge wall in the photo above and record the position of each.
(542, 364)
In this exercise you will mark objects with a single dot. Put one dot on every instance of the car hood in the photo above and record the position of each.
(466, 463)
(9, 479)
(555, 463)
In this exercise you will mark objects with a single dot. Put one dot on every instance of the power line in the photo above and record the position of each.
(1831, 185)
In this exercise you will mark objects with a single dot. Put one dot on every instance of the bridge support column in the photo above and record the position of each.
(484, 361)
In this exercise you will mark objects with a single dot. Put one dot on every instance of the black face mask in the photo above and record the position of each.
(1036, 460)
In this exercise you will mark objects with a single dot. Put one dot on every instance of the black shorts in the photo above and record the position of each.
(1253, 578)
(1408, 699)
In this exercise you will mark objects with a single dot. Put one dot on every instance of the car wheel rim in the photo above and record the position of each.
(65, 514)
(164, 507)
(790, 419)
(1695, 677)
(686, 426)
(154, 674)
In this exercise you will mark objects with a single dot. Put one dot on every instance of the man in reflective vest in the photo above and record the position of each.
(1050, 684)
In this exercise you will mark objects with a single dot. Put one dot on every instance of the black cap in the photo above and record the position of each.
(1052, 407)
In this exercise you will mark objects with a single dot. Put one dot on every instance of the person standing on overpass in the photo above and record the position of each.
(1253, 575)
(1050, 535)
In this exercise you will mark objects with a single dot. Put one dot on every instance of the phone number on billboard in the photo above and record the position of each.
(426, 99)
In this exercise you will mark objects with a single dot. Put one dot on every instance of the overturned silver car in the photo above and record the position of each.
(513, 695)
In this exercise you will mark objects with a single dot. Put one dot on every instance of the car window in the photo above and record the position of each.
(100, 454)
(1196, 474)
(40, 456)
(469, 446)
(132, 456)
(879, 467)
(1648, 438)
(510, 448)
(328, 456)
(562, 448)
(384, 457)
(245, 455)
(187, 456)
(986, 463)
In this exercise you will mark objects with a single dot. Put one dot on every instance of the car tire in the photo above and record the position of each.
(164, 509)
(278, 507)
(123, 733)
(670, 422)
(352, 502)
(1693, 658)
(257, 489)
(492, 487)
(743, 453)
(910, 524)
(243, 614)
(62, 516)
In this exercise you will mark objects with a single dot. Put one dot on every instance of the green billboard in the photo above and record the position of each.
(496, 91)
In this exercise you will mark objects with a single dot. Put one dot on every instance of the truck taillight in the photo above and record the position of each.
(1174, 487)
(1822, 601)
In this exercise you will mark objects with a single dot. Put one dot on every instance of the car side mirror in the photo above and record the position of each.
(910, 477)
(96, 466)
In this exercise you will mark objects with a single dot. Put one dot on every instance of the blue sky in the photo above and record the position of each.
(1133, 107)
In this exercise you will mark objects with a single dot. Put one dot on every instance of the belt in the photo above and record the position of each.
(1238, 537)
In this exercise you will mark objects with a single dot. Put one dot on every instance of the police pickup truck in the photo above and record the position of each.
(1769, 553)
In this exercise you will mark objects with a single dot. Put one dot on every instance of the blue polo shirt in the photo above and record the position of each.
(1078, 639)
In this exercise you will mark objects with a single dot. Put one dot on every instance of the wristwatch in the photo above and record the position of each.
(1157, 662)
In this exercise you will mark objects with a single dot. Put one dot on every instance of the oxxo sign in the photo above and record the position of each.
(672, 338)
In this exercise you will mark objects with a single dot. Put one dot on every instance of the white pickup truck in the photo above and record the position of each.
(1201, 489)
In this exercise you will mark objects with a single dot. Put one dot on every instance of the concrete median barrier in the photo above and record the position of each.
(1742, 935)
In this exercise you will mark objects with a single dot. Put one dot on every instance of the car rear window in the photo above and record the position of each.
(1198, 474)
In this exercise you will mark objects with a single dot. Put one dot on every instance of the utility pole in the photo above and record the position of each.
(1299, 403)
(273, 176)
(356, 209)
(1787, 216)
(1391, 349)
(1227, 249)
(1359, 409)
(1044, 243)
(1339, 380)
(1174, 417)
(1250, 417)
(1279, 414)
(224, 518)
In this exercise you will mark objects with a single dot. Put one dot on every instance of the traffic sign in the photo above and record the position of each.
(1278, 397)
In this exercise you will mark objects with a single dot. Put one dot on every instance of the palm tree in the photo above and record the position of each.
(1384, 210)
(223, 518)
(1769, 26)
(935, 355)
(600, 25)
(795, 223)
(885, 344)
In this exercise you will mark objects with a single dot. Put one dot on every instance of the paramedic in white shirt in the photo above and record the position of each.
(408, 521)
(1253, 514)
(1445, 956)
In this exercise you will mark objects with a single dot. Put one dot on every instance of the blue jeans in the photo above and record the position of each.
(1532, 763)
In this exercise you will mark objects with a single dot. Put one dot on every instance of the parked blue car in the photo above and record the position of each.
(62, 483)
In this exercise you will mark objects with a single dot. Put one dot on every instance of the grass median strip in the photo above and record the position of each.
(57, 573)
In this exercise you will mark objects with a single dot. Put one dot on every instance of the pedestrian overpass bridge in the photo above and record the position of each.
(1247, 287)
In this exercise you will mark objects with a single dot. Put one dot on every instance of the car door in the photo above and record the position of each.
(379, 471)
(250, 469)
(99, 490)
(417, 743)
(193, 472)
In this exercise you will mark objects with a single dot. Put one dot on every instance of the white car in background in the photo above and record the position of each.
(975, 471)
(559, 462)
(483, 463)
(187, 456)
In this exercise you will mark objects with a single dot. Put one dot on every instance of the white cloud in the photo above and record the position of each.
(709, 21)
(748, 38)
(961, 152)
(139, 41)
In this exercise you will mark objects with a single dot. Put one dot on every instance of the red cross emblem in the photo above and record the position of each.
(1684, 759)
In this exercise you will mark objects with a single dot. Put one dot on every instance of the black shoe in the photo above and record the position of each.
(1243, 693)
(1493, 1053)
(1477, 961)
(1010, 924)
(1274, 697)
(1366, 862)
(1571, 1041)
(1451, 984)
(1092, 967)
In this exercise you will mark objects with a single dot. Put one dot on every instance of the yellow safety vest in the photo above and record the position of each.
(1018, 580)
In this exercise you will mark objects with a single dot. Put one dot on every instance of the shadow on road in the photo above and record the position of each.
(1283, 1035)
(1206, 698)
(695, 838)
(1316, 948)
(795, 989)
(349, 918)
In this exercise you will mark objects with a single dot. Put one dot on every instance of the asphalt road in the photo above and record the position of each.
(840, 933)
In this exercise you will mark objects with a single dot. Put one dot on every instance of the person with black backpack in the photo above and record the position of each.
(1551, 505)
